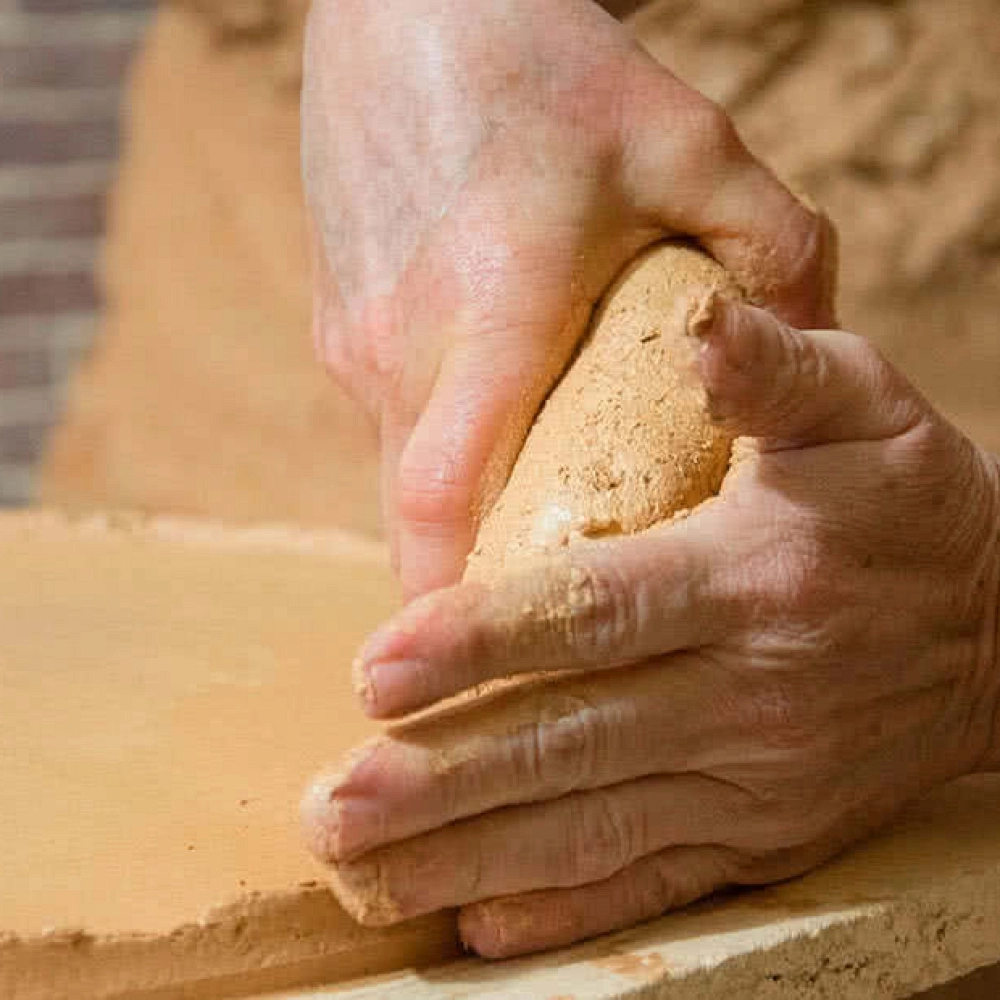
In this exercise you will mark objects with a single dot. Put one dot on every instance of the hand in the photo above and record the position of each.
(789, 665)
(478, 171)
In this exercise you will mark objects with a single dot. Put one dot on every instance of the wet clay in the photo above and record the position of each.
(166, 690)
(624, 440)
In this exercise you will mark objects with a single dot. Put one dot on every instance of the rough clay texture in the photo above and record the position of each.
(202, 394)
(624, 440)
(168, 688)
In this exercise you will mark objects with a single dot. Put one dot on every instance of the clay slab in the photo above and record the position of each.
(167, 689)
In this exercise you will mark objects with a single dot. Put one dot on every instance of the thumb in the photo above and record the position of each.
(767, 380)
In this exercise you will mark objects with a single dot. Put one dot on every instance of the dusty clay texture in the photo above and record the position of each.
(202, 394)
(167, 690)
(624, 439)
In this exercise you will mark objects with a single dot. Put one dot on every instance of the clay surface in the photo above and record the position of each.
(624, 440)
(167, 689)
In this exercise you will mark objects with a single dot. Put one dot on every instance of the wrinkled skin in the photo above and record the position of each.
(752, 688)
(477, 175)
(792, 663)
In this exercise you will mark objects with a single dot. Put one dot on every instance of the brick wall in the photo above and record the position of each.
(62, 67)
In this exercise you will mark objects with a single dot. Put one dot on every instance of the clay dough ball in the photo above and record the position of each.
(624, 440)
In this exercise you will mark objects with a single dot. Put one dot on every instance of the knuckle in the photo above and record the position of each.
(773, 714)
(653, 889)
(790, 583)
(880, 375)
(432, 493)
(561, 748)
(603, 838)
(801, 580)
(711, 134)
(602, 620)
(804, 376)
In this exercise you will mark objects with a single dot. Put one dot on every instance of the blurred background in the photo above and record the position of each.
(62, 67)
(182, 379)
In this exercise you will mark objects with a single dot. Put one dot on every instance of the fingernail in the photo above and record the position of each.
(382, 646)
(708, 356)
(336, 822)
(359, 826)
(389, 684)
(364, 889)
(702, 320)
(734, 333)
(714, 324)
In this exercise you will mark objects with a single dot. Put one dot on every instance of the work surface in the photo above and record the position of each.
(167, 689)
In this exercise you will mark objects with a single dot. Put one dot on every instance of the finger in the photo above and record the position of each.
(461, 450)
(790, 387)
(551, 918)
(392, 439)
(574, 840)
(531, 744)
(520, 303)
(602, 604)
(687, 167)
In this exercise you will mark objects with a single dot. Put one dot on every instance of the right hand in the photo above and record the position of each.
(478, 171)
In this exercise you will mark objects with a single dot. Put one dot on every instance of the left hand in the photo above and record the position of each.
(790, 665)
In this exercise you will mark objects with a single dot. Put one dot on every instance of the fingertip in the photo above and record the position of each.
(393, 643)
(319, 817)
(483, 929)
(730, 339)
(362, 888)
(800, 287)
(781, 248)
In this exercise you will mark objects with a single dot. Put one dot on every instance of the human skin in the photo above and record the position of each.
(478, 171)
(789, 666)
(792, 663)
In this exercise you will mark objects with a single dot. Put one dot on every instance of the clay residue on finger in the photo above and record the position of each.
(363, 890)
